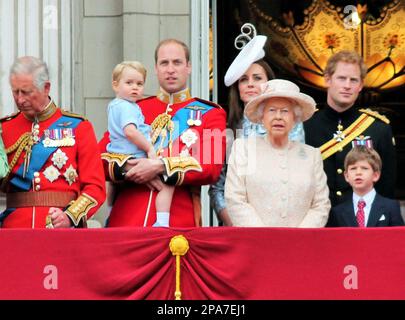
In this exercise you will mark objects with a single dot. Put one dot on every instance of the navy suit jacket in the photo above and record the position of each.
(384, 213)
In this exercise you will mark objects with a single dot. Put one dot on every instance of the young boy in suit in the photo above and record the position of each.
(366, 208)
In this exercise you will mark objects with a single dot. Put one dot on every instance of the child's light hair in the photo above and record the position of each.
(360, 153)
(119, 69)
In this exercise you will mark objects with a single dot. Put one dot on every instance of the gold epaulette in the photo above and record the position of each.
(10, 116)
(212, 104)
(375, 114)
(73, 115)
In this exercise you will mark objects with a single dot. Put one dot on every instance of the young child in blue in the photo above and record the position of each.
(128, 132)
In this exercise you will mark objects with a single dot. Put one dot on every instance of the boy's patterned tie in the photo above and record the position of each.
(360, 213)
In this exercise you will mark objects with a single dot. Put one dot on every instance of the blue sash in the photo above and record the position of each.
(180, 121)
(39, 155)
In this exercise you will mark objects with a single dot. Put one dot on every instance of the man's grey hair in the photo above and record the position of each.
(31, 66)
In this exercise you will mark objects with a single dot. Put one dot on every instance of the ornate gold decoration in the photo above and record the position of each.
(177, 97)
(70, 175)
(80, 207)
(158, 124)
(375, 114)
(19, 145)
(73, 115)
(179, 247)
(118, 158)
(181, 164)
(303, 50)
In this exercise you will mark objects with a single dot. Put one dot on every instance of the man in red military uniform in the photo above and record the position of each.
(188, 134)
(56, 178)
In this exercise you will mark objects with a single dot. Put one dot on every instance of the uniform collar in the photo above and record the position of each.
(48, 112)
(349, 113)
(177, 97)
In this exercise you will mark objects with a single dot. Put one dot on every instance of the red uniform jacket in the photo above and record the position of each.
(204, 140)
(69, 171)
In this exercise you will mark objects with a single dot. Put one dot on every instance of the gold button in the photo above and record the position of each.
(339, 171)
(36, 174)
(37, 188)
(339, 193)
(37, 180)
(169, 109)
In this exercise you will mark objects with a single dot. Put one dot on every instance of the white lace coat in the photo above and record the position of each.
(268, 187)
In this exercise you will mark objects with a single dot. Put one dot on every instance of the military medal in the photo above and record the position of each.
(59, 138)
(46, 141)
(339, 135)
(198, 115)
(189, 137)
(190, 120)
(362, 141)
(51, 173)
(68, 137)
(59, 158)
(70, 175)
(194, 118)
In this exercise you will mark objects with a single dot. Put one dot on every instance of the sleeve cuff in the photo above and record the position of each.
(176, 168)
(116, 164)
(78, 210)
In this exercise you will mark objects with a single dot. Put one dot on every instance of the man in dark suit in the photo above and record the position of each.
(366, 208)
(341, 123)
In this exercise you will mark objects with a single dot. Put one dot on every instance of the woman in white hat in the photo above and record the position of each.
(245, 76)
(271, 180)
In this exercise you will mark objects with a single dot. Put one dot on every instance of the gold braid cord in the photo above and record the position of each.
(161, 126)
(375, 114)
(80, 207)
(179, 247)
(160, 123)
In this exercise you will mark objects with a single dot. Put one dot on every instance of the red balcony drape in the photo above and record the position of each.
(222, 263)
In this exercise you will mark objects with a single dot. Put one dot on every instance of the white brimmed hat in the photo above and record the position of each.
(279, 88)
(250, 53)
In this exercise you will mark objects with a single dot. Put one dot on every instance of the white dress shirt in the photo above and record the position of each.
(368, 199)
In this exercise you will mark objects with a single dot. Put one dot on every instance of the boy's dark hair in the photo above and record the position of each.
(359, 153)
